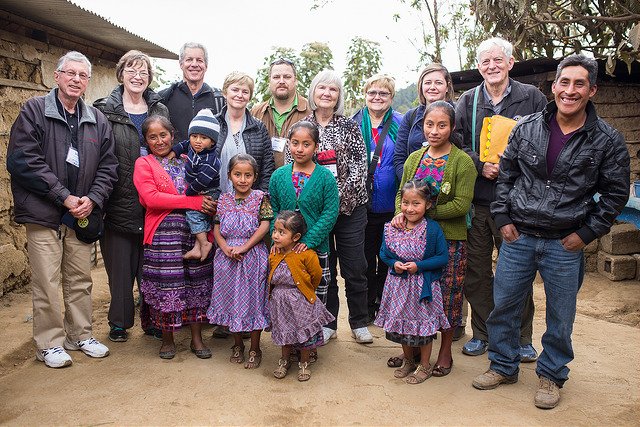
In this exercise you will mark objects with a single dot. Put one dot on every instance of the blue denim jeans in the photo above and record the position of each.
(198, 222)
(562, 272)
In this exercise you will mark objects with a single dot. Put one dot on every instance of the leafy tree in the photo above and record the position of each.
(262, 78)
(434, 35)
(467, 34)
(160, 77)
(364, 58)
(550, 28)
(314, 57)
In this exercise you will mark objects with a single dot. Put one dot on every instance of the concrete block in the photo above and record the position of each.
(623, 239)
(592, 247)
(617, 267)
(590, 263)
(637, 257)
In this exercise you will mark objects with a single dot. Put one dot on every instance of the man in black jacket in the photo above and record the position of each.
(555, 163)
(63, 168)
(500, 95)
(186, 98)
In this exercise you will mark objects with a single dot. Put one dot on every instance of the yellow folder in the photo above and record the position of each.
(494, 137)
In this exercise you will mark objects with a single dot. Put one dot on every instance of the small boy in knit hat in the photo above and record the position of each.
(202, 174)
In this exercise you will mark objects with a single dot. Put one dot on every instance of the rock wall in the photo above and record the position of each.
(619, 105)
(26, 70)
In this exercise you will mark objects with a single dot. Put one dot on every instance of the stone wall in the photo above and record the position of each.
(26, 70)
(619, 105)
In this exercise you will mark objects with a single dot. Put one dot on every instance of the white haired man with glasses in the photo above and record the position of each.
(63, 168)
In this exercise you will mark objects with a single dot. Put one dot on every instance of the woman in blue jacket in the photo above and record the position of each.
(376, 118)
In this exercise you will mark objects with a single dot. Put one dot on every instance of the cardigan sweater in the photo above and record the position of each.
(318, 203)
(456, 191)
(158, 195)
(435, 257)
(305, 270)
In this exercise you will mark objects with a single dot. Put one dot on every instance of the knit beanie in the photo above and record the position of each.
(205, 124)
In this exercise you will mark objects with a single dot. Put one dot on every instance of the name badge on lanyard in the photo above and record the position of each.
(73, 158)
(329, 160)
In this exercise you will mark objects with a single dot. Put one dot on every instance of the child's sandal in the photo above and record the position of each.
(283, 368)
(313, 356)
(237, 354)
(420, 375)
(407, 367)
(254, 360)
(303, 373)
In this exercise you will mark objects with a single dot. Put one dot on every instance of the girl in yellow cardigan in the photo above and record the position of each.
(297, 315)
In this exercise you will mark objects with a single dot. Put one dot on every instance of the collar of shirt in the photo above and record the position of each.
(498, 106)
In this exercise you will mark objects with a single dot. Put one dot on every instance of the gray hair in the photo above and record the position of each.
(487, 45)
(193, 45)
(75, 57)
(328, 77)
(588, 64)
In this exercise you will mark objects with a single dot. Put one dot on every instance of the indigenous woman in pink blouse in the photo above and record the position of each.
(176, 290)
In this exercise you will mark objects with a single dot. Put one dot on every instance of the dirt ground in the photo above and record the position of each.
(350, 385)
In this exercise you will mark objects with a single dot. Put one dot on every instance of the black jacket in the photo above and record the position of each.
(123, 210)
(523, 100)
(594, 160)
(38, 146)
(256, 142)
(183, 106)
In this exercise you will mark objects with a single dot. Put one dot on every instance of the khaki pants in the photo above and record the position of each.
(54, 260)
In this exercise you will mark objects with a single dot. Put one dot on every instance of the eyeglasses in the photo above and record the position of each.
(132, 73)
(72, 74)
(381, 94)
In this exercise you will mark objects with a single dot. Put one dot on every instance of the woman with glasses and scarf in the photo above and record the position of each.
(379, 124)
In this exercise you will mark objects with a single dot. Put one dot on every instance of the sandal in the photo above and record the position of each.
(407, 367)
(313, 356)
(237, 354)
(441, 371)
(254, 360)
(420, 375)
(283, 368)
(396, 361)
(303, 372)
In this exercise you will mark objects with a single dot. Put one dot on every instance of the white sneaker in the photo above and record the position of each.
(362, 335)
(91, 347)
(327, 334)
(54, 357)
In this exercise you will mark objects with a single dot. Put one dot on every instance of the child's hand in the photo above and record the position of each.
(399, 267)
(239, 250)
(171, 155)
(275, 250)
(227, 250)
(299, 248)
(411, 267)
(399, 221)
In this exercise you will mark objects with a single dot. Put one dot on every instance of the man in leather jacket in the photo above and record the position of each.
(555, 162)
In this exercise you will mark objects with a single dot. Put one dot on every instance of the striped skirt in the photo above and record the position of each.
(452, 281)
(177, 290)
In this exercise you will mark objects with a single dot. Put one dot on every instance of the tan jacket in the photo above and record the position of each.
(262, 112)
